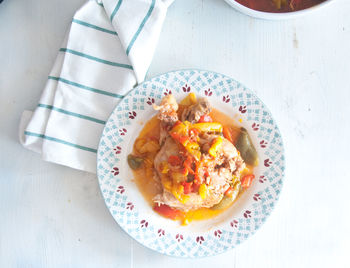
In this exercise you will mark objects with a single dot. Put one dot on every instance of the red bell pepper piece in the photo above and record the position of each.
(229, 191)
(168, 212)
(247, 180)
(205, 119)
(187, 187)
(179, 138)
(174, 160)
(227, 133)
(188, 164)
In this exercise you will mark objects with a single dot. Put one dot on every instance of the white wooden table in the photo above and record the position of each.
(54, 216)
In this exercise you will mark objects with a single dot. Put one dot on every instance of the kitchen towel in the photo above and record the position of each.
(106, 52)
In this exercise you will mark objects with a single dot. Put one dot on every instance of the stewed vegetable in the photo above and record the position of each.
(134, 162)
(245, 146)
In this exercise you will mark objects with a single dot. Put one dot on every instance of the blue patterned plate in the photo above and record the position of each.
(199, 238)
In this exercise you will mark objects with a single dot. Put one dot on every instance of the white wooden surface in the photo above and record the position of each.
(53, 216)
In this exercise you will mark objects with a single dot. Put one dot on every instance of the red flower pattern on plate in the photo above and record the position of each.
(115, 171)
(267, 162)
(255, 126)
(226, 99)
(234, 224)
(161, 232)
(132, 115)
(247, 214)
(242, 109)
(200, 239)
(130, 206)
(150, 101)
(208, 92)
(144, 224)
(186, 88)
(122, 131)
(167, 91)
(179, 237)
(256, 197)
(217, 233)
(262, 179)
(263, 144)
(121, 189)
(117, 150)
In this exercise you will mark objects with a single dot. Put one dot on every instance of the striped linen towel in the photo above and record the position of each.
(106, 52)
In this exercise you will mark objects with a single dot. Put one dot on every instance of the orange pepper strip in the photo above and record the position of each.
(247, 180)
(168, 212)
(227, 133)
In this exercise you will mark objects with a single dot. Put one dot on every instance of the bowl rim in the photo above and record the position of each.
(276, 16)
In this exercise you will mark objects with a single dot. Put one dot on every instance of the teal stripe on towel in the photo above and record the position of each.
(122, 65)
(94, 26)
(50, 107)
(116, 9)
(85, 87)
(28, 133)
(140, 27)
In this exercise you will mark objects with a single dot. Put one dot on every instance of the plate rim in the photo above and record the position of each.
(233, 245)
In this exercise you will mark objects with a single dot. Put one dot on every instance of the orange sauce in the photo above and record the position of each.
(148, 186)
(147, 183)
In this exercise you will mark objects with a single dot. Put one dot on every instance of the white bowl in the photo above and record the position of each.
(275, 16)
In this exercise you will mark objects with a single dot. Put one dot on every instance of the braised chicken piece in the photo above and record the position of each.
(167, 115)
(194, 112)
(195, 164)
(167, 109)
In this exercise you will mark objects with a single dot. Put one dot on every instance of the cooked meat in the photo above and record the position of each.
(167, 109)
(167, 115)
(215, 172)
(227, 155)
(194, 202)
(195, 111)
(170, 147)
(219, 173)
(163, 133)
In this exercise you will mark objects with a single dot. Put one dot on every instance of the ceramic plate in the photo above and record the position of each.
(199, 238)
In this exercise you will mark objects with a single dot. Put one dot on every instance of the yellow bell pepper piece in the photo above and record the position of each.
(139, 143)
(164, 167)
(189, 99)
(203, 189)
(184, 198)
(208, 127)
(196, 154)
(178, 192)
(192, 146)
(215, 146)
(181, 128)
(178, 177)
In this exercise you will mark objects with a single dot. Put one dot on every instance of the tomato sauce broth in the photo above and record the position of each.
(272, 6)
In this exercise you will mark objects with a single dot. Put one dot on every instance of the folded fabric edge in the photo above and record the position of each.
(35, 146)
(70, 164)
(153, 17)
